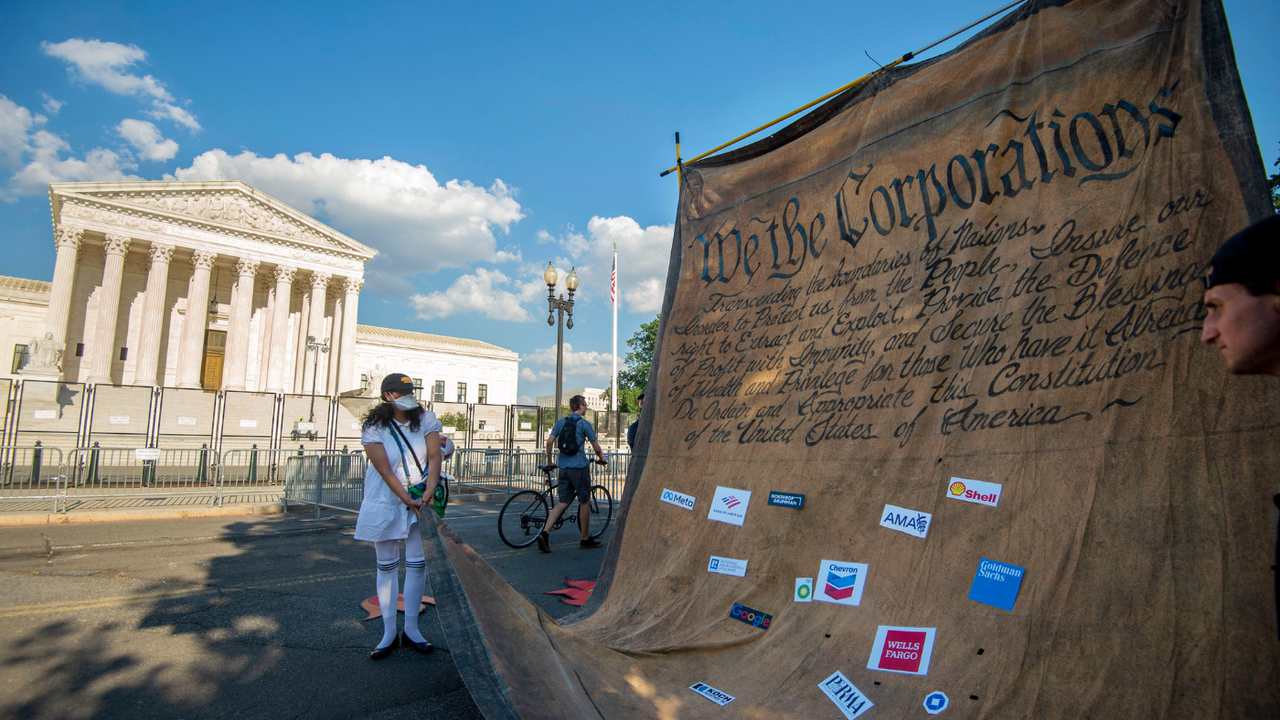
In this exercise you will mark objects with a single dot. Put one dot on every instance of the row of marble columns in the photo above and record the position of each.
(191, 343)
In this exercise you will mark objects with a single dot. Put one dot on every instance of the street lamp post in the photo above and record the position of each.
(318, 348)
(557, 307)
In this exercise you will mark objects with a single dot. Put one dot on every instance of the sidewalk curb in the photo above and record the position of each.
(92, 516)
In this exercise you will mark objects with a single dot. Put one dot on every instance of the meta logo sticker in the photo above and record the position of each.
(935, 702)
(680, 499)
(729, 505)
(902, 650)
(787, 500)
(907, 521)
(996, 584)
(751, 617)
(841, 582)
(712, 694)
(804, 590)
(727, 566)
(845, 695)
(974, 491)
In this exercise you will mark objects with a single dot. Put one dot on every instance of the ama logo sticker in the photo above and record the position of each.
(907, 521)
(840, 582)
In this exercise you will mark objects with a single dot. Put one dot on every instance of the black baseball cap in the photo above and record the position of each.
(640, 396)
(1251, 257)
(396, 382)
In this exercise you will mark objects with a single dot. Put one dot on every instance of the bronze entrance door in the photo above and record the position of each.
(215, 347)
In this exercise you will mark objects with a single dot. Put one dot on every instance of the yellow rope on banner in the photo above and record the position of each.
(837, 91)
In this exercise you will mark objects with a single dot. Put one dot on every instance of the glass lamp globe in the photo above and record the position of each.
(571, 282)
(549, 275)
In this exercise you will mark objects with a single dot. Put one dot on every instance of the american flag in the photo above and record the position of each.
(613, 281)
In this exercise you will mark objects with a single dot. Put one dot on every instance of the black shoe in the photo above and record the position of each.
(544, 541)
(422, 647)
(589, 544)
(382, 653)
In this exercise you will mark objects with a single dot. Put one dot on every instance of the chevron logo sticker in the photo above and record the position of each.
(842, 582)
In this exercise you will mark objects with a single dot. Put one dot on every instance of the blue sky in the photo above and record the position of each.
(470, 143)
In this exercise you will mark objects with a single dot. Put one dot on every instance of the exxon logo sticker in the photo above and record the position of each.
(974, 491)
(845, 695)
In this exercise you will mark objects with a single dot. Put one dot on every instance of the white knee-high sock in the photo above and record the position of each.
(415, 581)
(387, 572)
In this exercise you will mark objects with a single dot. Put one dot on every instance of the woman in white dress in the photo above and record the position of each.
(401, 439)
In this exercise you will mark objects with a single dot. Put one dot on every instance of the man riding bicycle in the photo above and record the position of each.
(575, 472)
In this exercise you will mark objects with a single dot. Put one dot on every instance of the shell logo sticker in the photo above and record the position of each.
(957, 488)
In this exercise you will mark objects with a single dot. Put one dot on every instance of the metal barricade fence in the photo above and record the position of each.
(325, 480)
(31, 473)
(260, 468)
(98, 472)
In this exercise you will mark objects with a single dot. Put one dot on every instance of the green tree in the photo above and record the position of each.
(454, 420)
(635, 378)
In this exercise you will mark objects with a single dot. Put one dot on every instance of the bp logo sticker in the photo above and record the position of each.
(804, 590)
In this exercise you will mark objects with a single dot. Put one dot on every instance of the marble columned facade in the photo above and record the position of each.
(210, 285)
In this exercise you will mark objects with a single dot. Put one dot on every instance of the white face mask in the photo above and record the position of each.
(407, 402)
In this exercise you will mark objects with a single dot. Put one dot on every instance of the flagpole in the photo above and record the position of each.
(613, 396)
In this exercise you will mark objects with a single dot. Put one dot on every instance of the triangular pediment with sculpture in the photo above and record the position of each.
(225, 204)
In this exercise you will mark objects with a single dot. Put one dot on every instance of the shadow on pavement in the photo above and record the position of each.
(258, 624)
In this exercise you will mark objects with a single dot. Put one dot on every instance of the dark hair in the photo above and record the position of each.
(576, 402)
(382, 414)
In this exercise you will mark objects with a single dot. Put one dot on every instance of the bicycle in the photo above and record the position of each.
(525, 513)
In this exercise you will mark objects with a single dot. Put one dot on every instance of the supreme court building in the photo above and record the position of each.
(217, 286)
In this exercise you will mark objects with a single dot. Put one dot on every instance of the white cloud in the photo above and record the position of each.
(578, 366)
(643, 257)
(483, 291)
(416, 223)
(47, 166)
(16, 123)
(146, 138)
(51, 105)
(42, 152)
(173, 112)
(107, 65)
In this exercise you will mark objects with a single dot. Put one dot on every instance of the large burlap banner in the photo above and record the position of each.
(958, 310)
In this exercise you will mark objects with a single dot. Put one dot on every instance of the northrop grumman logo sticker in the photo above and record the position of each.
(845, 695)
(712, 694)
(974, 491)
(794, 501)
(840, 582)
(907, 521)
(678, 499)
(729, 505)
(902, 650)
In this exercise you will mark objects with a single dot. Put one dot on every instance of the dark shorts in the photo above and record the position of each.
(574, 482)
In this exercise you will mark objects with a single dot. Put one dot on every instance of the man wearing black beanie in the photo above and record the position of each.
(1242, 297)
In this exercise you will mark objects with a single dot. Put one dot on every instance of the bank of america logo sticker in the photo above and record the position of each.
(840, 582)
(729, 505)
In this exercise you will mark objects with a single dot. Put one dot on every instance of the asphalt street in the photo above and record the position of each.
(245, 617)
